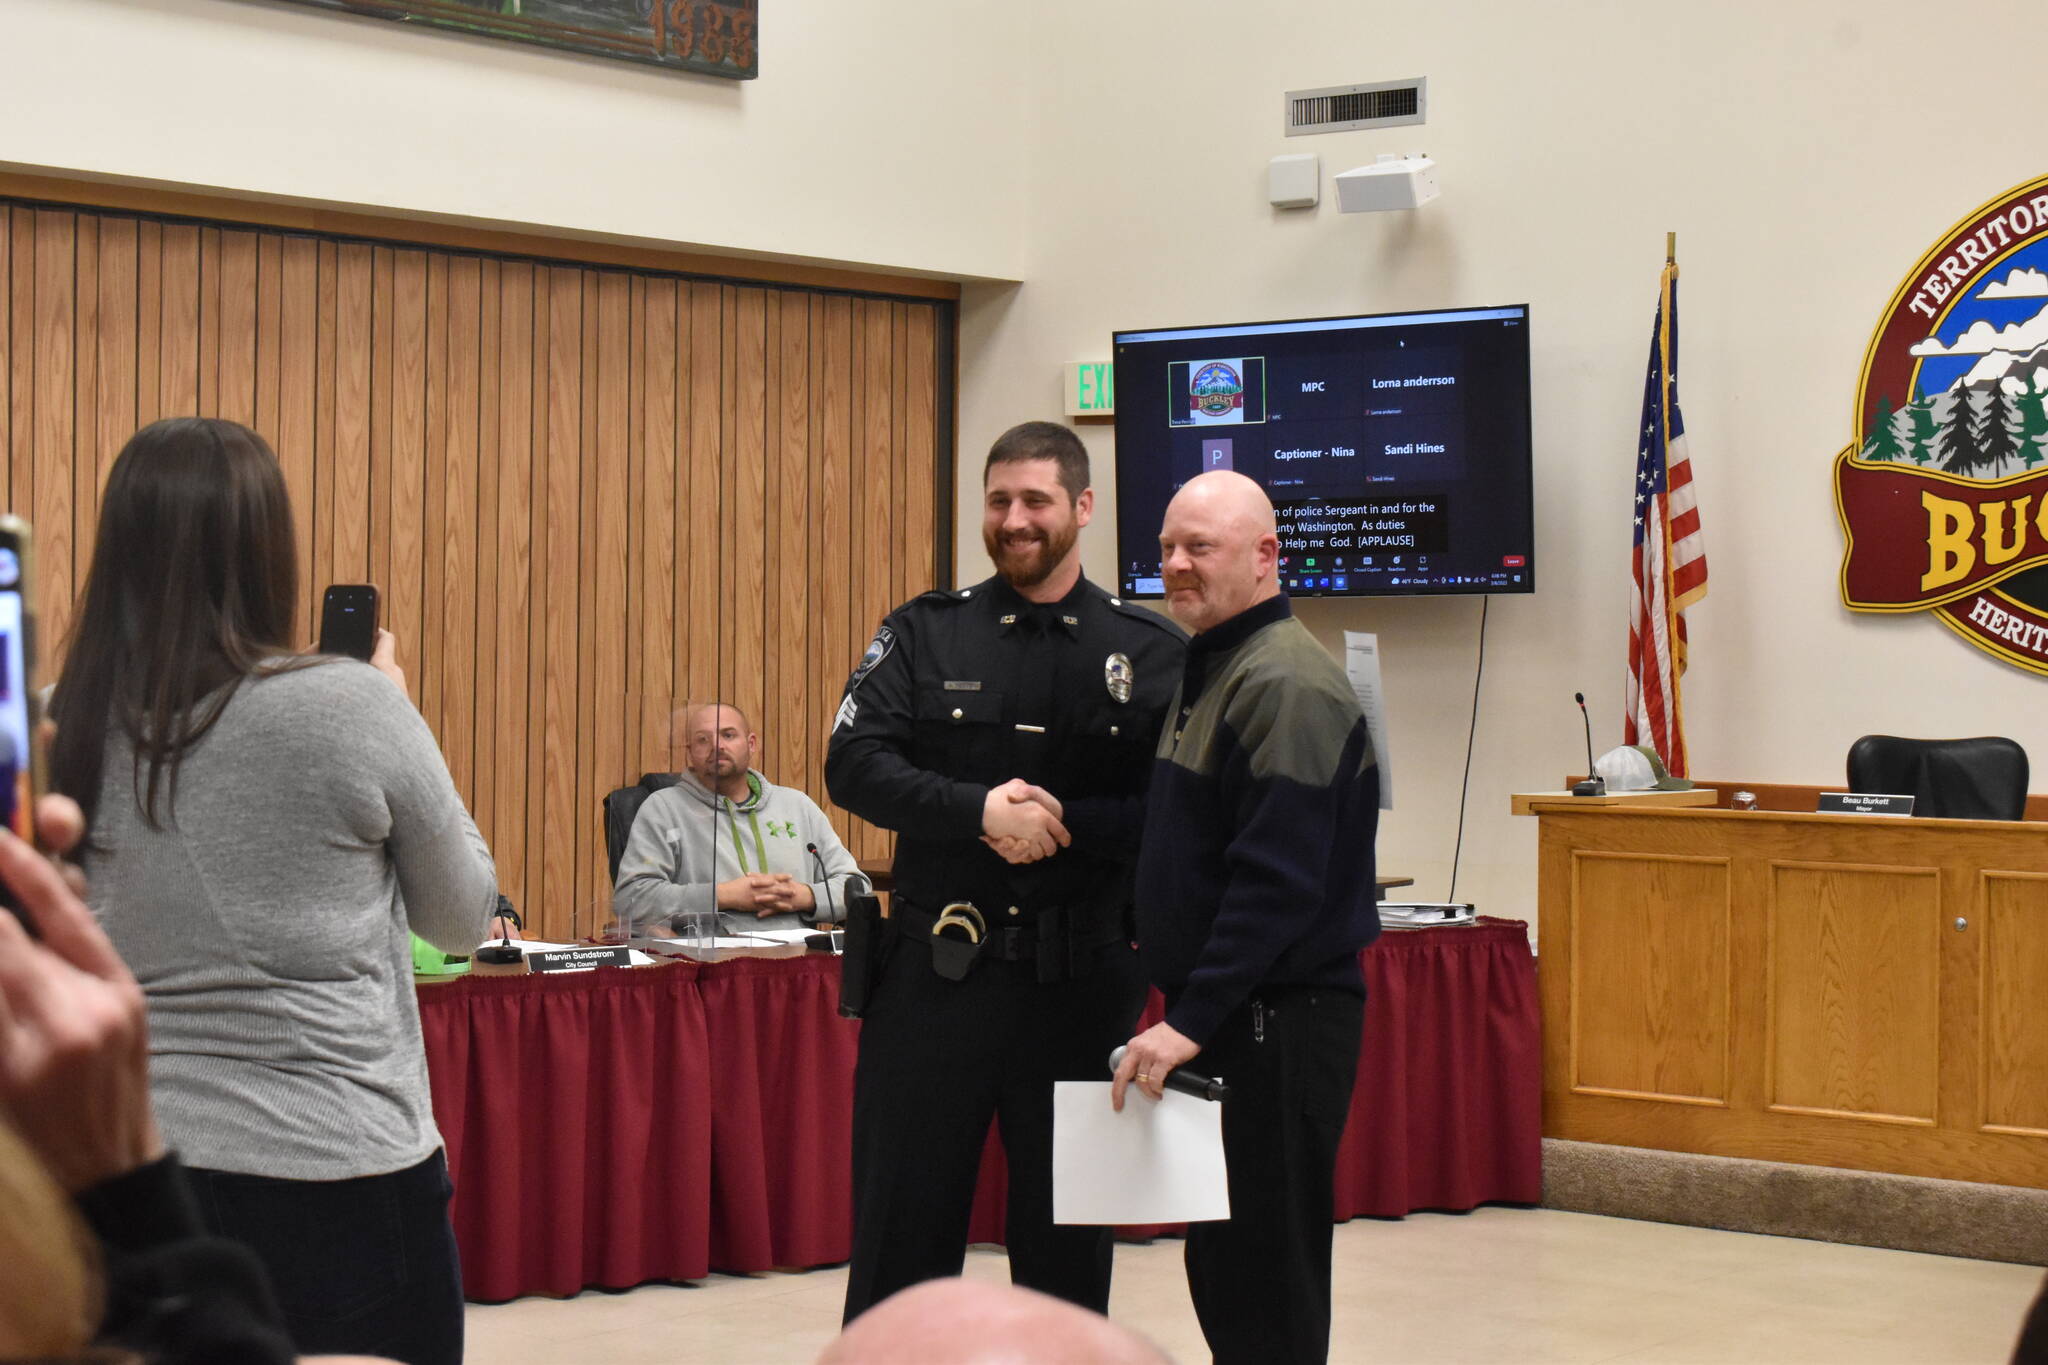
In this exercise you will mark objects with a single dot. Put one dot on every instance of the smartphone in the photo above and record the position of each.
(348, 620)
(21, 769)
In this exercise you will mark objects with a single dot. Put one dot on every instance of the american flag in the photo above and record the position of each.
(1669, 562)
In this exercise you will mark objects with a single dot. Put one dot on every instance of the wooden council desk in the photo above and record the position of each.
(1837, 990)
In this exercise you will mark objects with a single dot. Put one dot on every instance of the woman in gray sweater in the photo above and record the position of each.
(263, 829)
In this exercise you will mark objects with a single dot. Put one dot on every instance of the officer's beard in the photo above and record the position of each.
(1026, 562)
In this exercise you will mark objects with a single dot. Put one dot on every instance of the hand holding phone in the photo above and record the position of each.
(348, 620)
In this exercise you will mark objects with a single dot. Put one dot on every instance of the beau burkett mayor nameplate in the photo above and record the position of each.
(1864, 803)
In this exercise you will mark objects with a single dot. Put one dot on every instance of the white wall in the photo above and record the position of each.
(879, 133)
(1806, 153)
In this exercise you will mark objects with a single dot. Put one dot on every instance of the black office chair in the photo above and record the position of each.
(1957, 779)
(622, 807)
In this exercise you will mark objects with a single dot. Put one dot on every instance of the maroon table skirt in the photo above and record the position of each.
(613, 1127)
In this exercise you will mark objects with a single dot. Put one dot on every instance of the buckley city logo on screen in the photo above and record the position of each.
(1207, 393)
(1943, 495)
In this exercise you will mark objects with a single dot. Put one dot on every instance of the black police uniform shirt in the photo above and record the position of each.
(963, 690)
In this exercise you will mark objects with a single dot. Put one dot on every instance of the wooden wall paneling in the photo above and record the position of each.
(350, 447)
(921, 498)
(433, 495)
(53, 396)
(541, 300)
(297, 388)
(874, 534)
(801, 713)
(82, 460)
(114, 395)
(326, 363)
(653, 568)
(838, 640)
(453, 534)
(699, 512)
(716, 505)
(178, 337)
(747, 529)
(484, 609)
(556, 825)
(632, 644)
(269, 332)
(234, 301)
(149, 323)
(382, 365)
(13, 411)
(513, 457)
(21, 415)
(606, 517)
(208, 301)
(402, 584)
(899, 427)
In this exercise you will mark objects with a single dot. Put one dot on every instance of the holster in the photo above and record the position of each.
(867, 952)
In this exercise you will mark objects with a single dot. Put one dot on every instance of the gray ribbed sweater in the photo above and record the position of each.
(267, 923)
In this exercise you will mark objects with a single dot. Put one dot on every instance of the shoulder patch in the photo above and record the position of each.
(878, 650)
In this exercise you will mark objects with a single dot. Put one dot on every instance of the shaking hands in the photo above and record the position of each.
(1021, 822)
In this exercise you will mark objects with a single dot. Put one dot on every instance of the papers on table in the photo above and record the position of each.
(1362, 666)
(1424, 914)
(1156, 1162)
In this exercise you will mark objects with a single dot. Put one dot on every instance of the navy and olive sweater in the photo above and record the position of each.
(1256, 868)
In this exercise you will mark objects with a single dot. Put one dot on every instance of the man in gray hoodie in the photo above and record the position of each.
(725, 835)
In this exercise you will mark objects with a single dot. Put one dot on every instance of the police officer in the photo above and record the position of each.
(1006, 732)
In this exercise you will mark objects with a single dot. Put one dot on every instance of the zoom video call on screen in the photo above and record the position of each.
(1395, 448)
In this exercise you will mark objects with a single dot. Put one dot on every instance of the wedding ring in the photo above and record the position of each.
(1143, 1079)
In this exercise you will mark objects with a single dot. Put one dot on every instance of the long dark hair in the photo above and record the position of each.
(193, 588)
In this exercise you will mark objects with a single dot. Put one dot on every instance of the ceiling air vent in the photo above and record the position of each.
(1340, 108)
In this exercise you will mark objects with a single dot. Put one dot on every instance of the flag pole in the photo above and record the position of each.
(1671, 248)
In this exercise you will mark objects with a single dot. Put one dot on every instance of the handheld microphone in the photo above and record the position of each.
(1186, 1082)
(1594, 785)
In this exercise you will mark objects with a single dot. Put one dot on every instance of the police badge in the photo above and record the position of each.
(1116, 674)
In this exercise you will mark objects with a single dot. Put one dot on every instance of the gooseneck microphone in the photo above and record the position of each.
(818, 861)
(1594, 785)
(1183, 1080)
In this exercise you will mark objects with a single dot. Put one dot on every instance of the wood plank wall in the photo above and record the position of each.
(586, 493)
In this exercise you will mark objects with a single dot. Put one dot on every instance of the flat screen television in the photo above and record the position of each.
(1395, 447)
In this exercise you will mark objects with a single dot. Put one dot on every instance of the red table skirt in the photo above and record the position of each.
(613, 1127)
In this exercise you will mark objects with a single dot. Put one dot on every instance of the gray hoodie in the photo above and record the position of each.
(687, 839)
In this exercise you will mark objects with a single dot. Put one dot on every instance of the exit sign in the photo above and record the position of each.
(1090, 388)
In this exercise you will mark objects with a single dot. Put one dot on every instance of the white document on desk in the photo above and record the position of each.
(1362, 667)
(1153, 1163)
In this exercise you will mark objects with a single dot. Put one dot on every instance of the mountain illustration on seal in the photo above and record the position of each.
(1982, 406)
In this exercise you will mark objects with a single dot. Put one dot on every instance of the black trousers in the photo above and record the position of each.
(1261, 1280)
(938, 1058)
(361, 1267)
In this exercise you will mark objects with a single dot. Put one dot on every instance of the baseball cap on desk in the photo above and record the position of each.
(1636, 768)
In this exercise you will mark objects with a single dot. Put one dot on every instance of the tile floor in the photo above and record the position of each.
(1493, 1286)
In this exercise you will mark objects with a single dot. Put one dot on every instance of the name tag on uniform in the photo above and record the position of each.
(952, 686)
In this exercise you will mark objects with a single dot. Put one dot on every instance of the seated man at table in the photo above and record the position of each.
(726, 836)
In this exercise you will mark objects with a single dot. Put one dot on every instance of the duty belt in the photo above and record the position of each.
(1061, 941)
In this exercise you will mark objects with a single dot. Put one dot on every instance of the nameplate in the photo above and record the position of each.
(1864, 803)
(578, 959)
